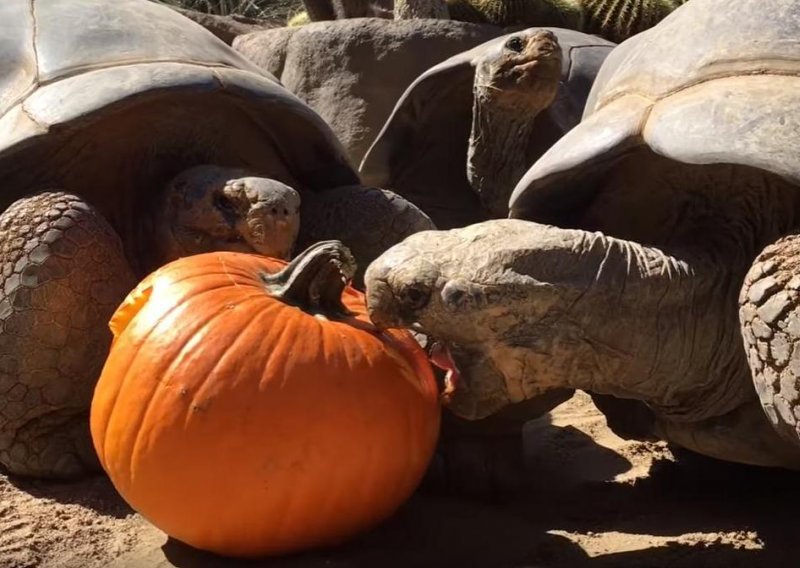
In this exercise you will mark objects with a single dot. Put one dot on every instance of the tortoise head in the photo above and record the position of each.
(410, 286)
(209, 208)
(514, 82)
(524, 74)
(430, 283)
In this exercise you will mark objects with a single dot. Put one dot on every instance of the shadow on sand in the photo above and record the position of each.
(698, 496)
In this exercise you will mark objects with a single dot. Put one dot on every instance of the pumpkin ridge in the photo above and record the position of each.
(182, 277)
(120, 385)
(122, 382)
(265, 370)
(284, 336)
(286, 333)
(191, 280)
(371, 455)
(243, 277)
(328, 344)
(241, 336)
(159, 388)
(368, 465)
(294, 313)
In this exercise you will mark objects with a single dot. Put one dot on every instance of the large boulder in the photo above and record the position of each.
(352, 72)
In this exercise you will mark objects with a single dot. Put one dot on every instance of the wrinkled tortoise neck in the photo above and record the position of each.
(614, 317)
(143, 249)
(498, 154)
(154, 241)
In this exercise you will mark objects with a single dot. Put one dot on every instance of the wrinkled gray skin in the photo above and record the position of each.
(526, 307)
(467, 129)
(352, 72)
(622, 272)
(512, 86)
(126, 144)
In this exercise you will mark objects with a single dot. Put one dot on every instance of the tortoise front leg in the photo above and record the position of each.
(770, 317)
(486, 458)
(63, 275)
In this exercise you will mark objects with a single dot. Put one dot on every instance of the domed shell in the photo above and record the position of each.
(106, 98)
(709, 84)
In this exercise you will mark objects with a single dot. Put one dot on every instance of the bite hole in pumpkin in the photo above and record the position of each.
(128, 309)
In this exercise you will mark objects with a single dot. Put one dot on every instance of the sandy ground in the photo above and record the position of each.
(595, 501)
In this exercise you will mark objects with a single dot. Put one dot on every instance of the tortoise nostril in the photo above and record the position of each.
(515, 43)
(453, 296)
(458, 295)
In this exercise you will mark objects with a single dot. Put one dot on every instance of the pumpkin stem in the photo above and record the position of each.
(315, 279)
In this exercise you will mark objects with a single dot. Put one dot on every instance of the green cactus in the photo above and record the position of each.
(615, 20)
(556, 13)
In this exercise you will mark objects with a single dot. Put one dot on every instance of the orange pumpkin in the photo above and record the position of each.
(248, 413)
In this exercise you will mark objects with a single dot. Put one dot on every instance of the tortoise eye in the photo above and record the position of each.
(515, 44)
(223, 203)
(415, 297)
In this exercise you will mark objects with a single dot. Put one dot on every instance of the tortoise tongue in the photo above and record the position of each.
(441, 357)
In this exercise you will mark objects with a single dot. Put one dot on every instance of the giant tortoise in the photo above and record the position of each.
(467, 129)
(130, 136)
(620, 270)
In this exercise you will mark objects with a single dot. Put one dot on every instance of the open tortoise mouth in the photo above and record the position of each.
(440, 356)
